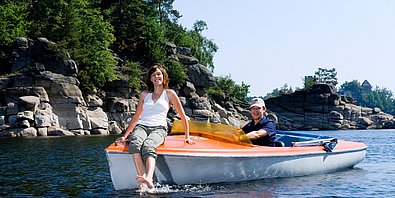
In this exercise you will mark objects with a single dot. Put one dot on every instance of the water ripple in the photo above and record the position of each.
(77, 167)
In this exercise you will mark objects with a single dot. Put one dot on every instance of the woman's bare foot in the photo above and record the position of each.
(144, 180)
(143, 188)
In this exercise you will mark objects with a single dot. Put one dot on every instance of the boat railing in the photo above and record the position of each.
(328, 144)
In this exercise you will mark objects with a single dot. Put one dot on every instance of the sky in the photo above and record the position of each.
(269, 43)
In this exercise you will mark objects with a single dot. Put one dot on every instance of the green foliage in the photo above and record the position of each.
(132, 71)
(308, 82)
(91, 47)
(326, 76)
(97, 71)
(140, 36)
(177, 73)
(54, 20)
(137, 30)
(80, 29)
(165, 11)
(379, 97)
(155, 43)
(240, 91)
(13, 22)
(285, 89)
(225, 85)
(201, 47)
(353, 89)
(322, 75)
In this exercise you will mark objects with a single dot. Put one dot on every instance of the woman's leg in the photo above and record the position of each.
(148, 178)
(137, 138)
(139, 164)
(155, 138)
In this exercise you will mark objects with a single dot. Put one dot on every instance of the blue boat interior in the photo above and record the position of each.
(289, 138)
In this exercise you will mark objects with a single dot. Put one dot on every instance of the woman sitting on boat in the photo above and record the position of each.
(149, 126)
(260, 130)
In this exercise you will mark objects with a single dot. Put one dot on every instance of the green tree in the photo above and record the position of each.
(326, 76)
(132, 71)
(140, 36)
(308, 82)
(379, 97)
(177, 73)
(136, 30)
(353, 89)
(54, 20)
(201, 47)
(142, 29)
(14, 23)
(285, 89)
(79, 28)
(167, 14)
(225, 85)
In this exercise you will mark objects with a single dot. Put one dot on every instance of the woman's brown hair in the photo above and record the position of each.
(150, 84)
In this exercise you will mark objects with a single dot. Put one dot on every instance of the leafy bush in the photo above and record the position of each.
(132, 71)
(177, 73)
(225, 85)
(13, 22)
(201, 47)
(285, 89)
(79, 28)
(378, 97)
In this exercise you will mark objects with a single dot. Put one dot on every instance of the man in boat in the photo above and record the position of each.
(260, 130)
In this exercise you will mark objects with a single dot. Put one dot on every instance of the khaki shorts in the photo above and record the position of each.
(145, 140)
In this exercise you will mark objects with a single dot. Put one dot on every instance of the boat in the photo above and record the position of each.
(223, 153)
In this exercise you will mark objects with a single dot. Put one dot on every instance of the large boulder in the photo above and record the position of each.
(46, 96)
(200, 76)
(39, 53)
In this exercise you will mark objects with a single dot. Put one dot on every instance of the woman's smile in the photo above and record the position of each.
(157, 77)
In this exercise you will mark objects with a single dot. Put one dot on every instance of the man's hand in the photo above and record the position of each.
(253, 135)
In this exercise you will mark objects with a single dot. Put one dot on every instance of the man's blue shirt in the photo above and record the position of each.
(268, 125)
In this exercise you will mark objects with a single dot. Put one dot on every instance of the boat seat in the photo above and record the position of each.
(279, 144)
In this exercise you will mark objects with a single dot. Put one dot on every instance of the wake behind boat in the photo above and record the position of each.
(222, 153)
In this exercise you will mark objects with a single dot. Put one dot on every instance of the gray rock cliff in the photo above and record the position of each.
(43, 98)
(321, 108)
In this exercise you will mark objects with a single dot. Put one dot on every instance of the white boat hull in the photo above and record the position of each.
(203, 169)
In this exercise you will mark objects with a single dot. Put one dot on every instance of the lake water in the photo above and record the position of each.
(77, 167)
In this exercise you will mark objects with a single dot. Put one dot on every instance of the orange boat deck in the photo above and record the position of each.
(175, 145)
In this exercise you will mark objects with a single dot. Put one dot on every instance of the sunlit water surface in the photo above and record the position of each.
(77, 167)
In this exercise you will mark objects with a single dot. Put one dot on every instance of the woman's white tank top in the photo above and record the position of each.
(155, 113)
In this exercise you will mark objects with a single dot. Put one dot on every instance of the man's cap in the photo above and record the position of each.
(257, 102)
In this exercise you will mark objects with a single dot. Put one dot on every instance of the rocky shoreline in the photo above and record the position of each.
(321, 108)
(46, 100)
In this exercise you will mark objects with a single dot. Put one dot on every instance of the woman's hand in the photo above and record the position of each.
(120, 141)
(189, 141)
